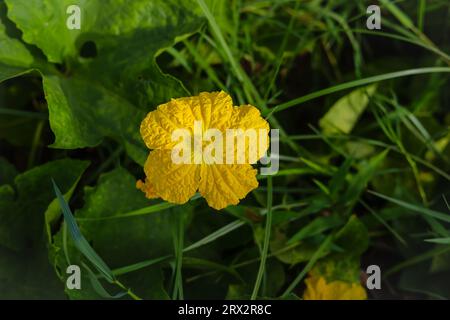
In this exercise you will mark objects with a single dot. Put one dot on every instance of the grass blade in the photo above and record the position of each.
(79, 240)
(416, 208)
(265, 249)
(215, 235)
(353, 84)
(97, 286)
(326, 243)
(210, 238)
(439, 240)
(139, 212)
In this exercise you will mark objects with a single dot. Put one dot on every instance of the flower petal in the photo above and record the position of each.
(158, 125)
(223, 185)
(249, 117)
(175, 183)
(317, 288)
(213, 109)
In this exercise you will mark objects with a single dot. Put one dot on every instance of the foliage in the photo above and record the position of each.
(364, 153)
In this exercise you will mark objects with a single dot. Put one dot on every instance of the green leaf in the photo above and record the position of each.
(105, 22)
(359, 150)
(154, 208)
(317, 226)
(7, 172)
(338, 268)
(120, 242)
(320, 252)
(15, 59)
(353, 238)
(295, 253)
(78, 239)
(108, 94)
(24, 222)
(24, 268)
(359, 181)
(344, 114)
(82, 115)
(338, 181)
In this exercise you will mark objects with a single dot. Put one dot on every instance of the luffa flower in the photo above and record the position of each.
(220, 184)
(317, 288)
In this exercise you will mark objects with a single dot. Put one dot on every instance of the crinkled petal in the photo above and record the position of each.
(158, 125)
(224, 185)
(212, 109)
(175, 183)
(317, 288)
(249, 117)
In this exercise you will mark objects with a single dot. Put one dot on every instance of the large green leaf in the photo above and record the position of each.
(76, 123)
(24, 268)
(107, 93)
(15, 59)
(119, 242)
(138, 27)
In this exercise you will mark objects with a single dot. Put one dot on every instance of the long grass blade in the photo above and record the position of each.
(353, 84)
(413, 207)
(79, 240)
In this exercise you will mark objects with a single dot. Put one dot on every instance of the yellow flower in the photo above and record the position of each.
(220, 184)
(317, 288)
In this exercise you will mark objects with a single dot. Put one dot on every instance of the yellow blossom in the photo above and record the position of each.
(220, 184)
(317, 288)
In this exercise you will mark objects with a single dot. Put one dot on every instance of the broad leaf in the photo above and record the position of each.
(15, 59)
(344, 114)
(24, 268)
(106, 93)
(120, 242)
